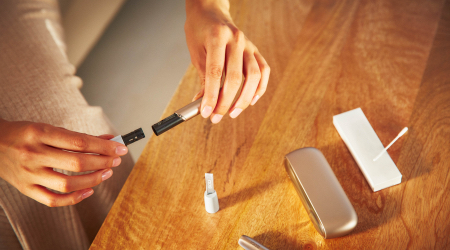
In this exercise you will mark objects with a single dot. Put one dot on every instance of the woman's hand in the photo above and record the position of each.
(217, 45)
(29, 152)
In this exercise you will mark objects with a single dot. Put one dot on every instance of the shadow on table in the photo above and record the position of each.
(245, 194)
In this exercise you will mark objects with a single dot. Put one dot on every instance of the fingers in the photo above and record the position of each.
(51, 199)
(66, 184)
(233, 78)
(76, 162)
(265, 72)
(252, 78)
(73, 141)
(230, 48)
(215, 59)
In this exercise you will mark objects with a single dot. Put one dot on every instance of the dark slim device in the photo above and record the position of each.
(134, 136)
(185, 113)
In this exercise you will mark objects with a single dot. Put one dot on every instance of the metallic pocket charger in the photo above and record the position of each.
(325, 201)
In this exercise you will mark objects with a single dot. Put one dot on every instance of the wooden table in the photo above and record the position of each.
(391, 58)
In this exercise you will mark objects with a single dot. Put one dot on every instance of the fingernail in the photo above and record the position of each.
(207, 110)
(216, 118)
(235, 112)
(87, 194)
(255, 99)
(105, 175)
(121, 150)
(116, 162)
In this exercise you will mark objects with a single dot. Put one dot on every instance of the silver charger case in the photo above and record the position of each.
(325, 201)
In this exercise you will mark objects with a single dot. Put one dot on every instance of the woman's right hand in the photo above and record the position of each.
(29, 152)
(217, 46)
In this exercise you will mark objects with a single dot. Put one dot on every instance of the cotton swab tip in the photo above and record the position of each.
(403, 131)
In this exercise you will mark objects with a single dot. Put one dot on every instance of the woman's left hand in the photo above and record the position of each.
(217, 46)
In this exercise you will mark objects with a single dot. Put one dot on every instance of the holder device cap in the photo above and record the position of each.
(211, 202)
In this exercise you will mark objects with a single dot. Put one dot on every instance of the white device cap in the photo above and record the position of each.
(211, 202)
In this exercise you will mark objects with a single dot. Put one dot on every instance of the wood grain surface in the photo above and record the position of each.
(391, 58)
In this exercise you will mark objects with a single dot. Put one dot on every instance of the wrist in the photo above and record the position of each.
(195, 6)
